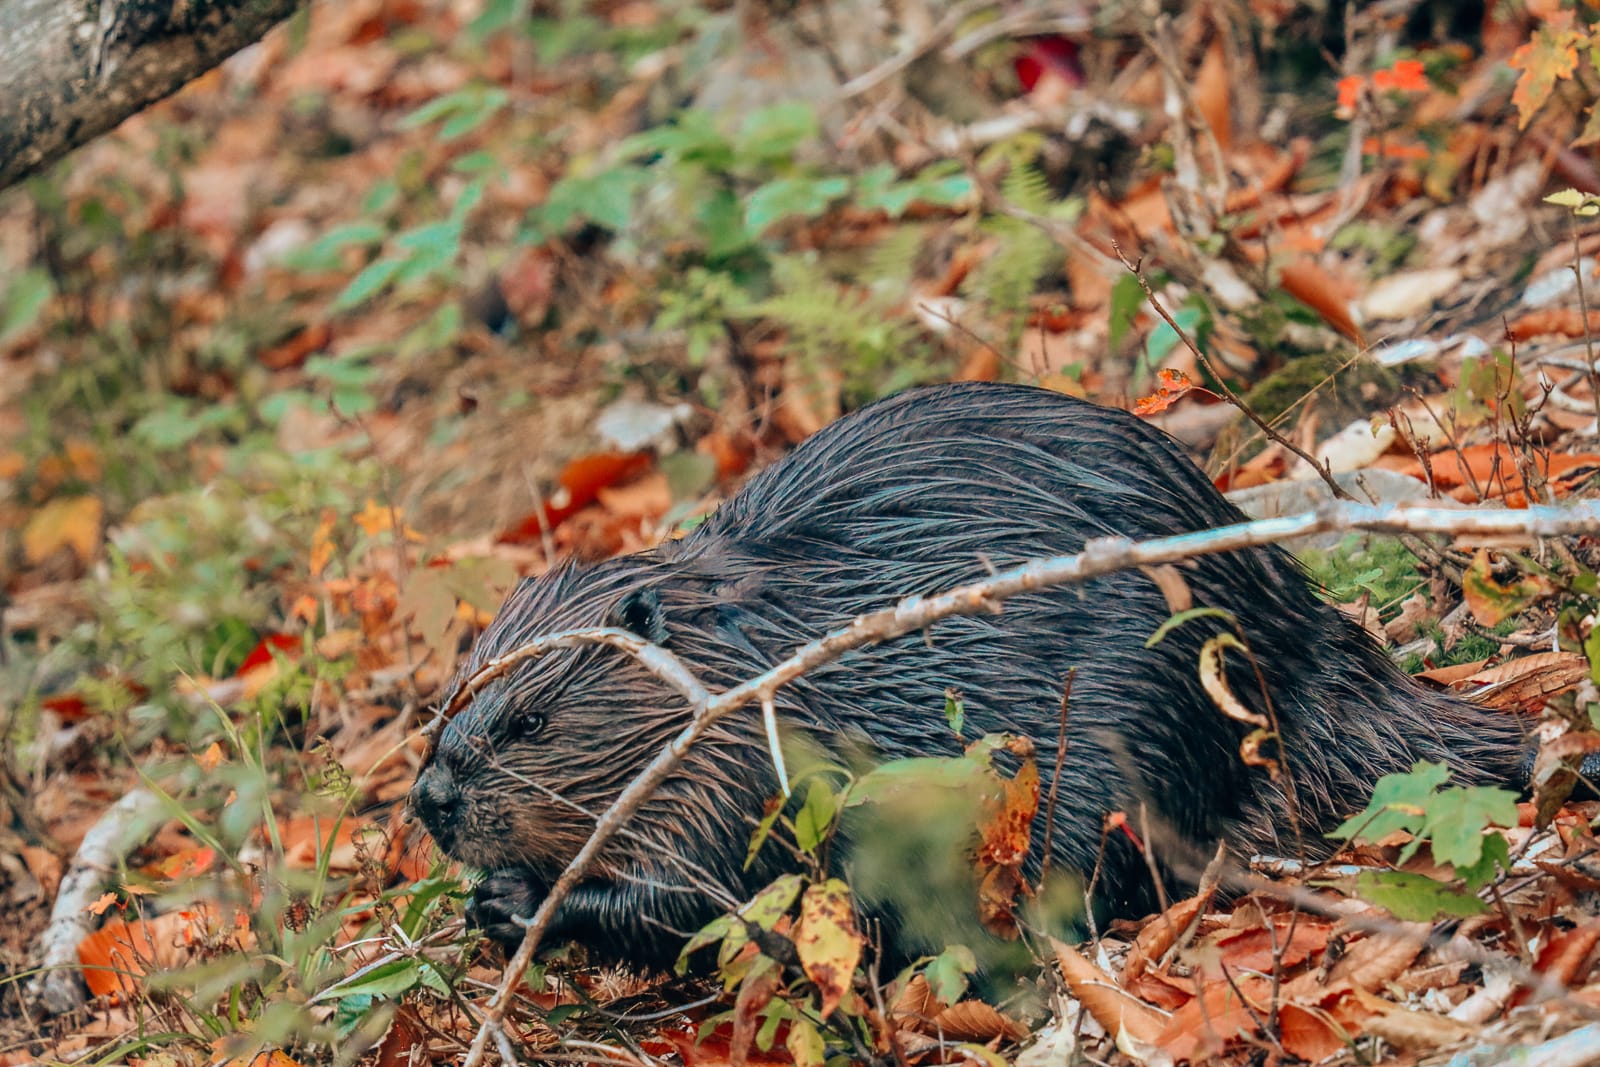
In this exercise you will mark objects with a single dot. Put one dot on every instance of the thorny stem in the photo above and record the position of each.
(1100, 556)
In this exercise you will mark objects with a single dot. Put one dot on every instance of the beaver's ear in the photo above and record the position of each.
(639, 610)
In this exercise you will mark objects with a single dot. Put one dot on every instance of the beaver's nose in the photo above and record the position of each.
(435, 798)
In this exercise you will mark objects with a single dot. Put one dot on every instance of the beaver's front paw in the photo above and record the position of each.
(502, 898)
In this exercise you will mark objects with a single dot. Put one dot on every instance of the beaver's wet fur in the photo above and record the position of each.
(916, 494)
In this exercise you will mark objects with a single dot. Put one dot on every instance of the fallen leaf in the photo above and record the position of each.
(67, 522)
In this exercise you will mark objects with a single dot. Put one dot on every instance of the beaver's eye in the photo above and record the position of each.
(530, 723)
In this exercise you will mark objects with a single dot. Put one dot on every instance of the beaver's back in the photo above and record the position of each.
(939, 486)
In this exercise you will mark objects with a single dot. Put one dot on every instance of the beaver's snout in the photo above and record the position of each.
(436, 800)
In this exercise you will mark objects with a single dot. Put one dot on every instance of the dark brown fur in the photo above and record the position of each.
(916, 494)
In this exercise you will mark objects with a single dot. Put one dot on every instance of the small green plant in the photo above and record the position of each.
(1379, 568)
(1459, 824)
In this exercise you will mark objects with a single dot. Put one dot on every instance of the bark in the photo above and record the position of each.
(72, 69)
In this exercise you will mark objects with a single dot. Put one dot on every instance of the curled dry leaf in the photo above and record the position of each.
(1160, 934)
(1005, 839)
(1370, 962)
(973, 1020)
(1562, 961)
(1526, 682)
(1121, 1014)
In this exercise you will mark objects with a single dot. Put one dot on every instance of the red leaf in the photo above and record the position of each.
(261, 655)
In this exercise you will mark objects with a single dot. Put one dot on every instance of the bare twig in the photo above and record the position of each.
(1228, 394)
(934, 38)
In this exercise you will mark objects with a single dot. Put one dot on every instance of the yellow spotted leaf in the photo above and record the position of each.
(827, 942)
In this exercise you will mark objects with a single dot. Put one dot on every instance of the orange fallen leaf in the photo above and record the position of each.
(1172, 384)
(67, 522)
(1118, 1012)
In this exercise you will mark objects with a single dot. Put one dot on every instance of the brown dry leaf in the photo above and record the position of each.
(1119, 1013)
(1368, 964)
(406, 1041)
(1294, 939)
(1562, 959)
(1160, 990)
(754, 994)
(45, 866)
(1452, 675)
(916, 1004)
(275, 1058)
(1309, 282)
(973, 1020)
(322, 546)
(649, 497)
(1414, 1031)
(336, 644)
(1161, 933)
(304, 837)
(1311, 1034)
(1174, 587)
(1206, 1025)
(68, 522)
(1212, 95)
(117, 955)
(1006, 835)
(1526, 682)
(1492, 601)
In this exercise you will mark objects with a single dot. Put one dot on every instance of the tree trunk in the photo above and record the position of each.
(72, 69)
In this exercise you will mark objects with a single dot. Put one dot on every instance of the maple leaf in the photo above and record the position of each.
(1350, 91)
(1174, 383)
(1405, 76)
(1550, 56)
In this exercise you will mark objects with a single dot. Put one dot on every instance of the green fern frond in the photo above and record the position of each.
(1026, 187)
(1002, 284)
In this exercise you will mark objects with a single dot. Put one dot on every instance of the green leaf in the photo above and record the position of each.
(467, 119)
(384, 980)
(1175, 621)
(773, 902)
(1415, 897)
(1163, 339)
(772, 134)
(372, 280)
(709, 934)
(815, 817)
(763, 830)
(25, 300)
(1567, 198)
(326, 252)
(804, 1043)
(1457, 819)
(721, 220)
(908, 777)
(435, 240)
(1496, 856)
(947, 972)
(1398, 803)
(606, 199)
(784, 197)
(955, 711)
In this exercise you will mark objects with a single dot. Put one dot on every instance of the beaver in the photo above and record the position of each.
(914, 494)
